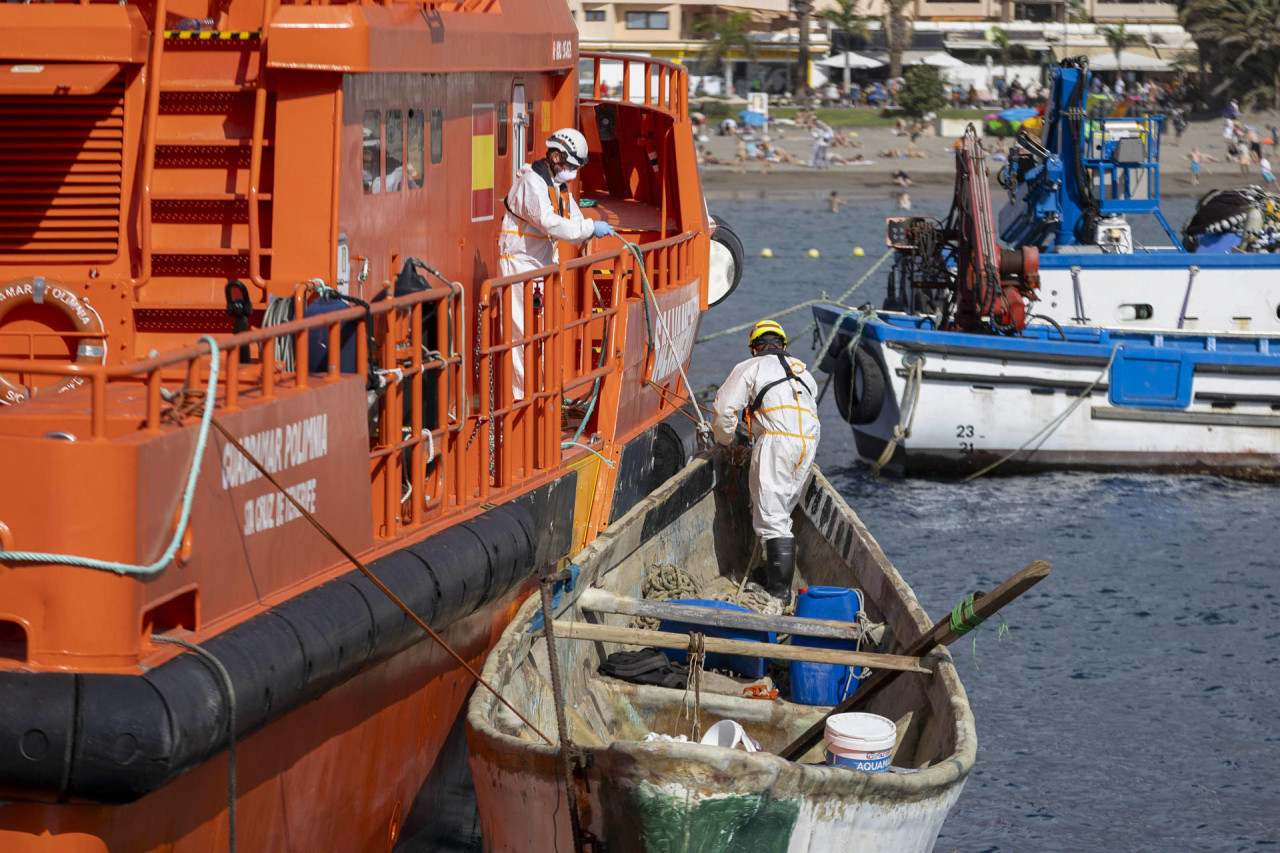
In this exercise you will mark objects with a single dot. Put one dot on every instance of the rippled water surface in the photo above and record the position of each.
(1135, 703)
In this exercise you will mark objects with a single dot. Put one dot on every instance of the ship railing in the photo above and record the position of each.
(485, 442)
(1123, 154)
(574, 346)
(400, 326)
(663, 85)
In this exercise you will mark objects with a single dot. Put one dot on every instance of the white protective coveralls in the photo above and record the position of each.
(537, 216)
(788, 431)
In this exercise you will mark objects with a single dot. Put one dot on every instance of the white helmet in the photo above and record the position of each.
(572, 144)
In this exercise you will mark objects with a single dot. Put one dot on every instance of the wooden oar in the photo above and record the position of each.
(603, 601)
(940, 634)
(720, 645)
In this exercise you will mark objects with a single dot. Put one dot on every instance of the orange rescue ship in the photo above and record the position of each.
(249, 248)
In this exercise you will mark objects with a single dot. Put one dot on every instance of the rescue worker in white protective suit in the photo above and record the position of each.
(541, 211)
(780, 396)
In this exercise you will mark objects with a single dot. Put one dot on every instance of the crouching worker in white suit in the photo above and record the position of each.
(541, 211)
(780, 395)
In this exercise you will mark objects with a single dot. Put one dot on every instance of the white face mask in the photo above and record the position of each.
(564, 176)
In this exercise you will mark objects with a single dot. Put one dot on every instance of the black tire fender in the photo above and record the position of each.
(727, 256)
(859, 382)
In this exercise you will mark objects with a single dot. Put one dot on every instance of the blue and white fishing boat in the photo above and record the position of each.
(1054, 398)
(1071, 345)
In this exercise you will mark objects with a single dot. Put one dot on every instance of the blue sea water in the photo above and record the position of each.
(1135, 703)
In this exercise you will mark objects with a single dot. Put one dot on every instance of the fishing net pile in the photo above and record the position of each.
(1250, 214)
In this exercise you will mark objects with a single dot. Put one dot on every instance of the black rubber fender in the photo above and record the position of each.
(859, 382)
(726, 249)
(335, 630)
(412, 582)
(39, 731)
(112, 738)
(507, 536)
(265, 660)
(122, 725)
(459, 564)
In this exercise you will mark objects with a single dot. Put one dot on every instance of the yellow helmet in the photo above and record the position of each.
(767, 327)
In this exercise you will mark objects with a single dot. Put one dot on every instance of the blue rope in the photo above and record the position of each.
(188, 497)
(567, 444)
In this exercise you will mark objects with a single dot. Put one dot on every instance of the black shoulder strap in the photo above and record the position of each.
(786, 367)
(543, 170)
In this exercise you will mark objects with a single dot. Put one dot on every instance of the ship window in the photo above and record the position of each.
(414, 153)
(647, 20)
(372, 152)
(503, 128)
(395, 150)
(437, 131)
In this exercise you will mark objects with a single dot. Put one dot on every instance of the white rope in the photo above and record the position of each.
(806, 304)
(907, 414)
(662, 323)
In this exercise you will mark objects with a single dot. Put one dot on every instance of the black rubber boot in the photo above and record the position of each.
(779, 567)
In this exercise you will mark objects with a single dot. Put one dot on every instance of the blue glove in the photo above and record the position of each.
(602, 229)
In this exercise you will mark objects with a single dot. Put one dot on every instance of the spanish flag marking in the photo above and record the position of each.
(482, 149)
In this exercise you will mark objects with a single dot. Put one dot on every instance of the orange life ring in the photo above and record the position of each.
(38, 290)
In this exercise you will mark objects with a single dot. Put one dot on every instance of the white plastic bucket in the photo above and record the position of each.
(860, 741)
(728, 734)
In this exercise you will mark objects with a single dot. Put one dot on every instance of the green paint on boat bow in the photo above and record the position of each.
(653, 821)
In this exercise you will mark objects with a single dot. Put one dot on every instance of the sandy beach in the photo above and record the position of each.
(934, 174)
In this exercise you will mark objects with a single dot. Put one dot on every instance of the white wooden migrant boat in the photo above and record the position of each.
(648, 796)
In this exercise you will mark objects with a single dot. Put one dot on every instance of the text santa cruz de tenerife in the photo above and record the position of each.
(278, 449)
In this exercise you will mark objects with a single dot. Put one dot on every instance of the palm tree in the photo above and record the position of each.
(723, 36)
(897, 33)
(1118, 38)
(844, 17)
(1247, 32)
(1000, 39)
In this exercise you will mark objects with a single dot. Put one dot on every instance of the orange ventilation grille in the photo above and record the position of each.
(61, 173)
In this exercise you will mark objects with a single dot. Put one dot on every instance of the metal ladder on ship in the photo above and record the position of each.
(205, 205)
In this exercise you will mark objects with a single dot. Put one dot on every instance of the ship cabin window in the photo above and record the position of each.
(372, 152)
(395, 150)
(647, 20)
(437, 134)
(415, 133)
(595, 14)
(504, 127)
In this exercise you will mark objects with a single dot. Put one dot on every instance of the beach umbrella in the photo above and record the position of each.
(1016, 113)
(942, 59)
(752, 118)
(1129, 61)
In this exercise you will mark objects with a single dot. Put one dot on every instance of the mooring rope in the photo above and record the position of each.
(395, 599)
(662, 323)
(566, 751)
(229, 686)
(1049, 428)
(907, 414)
(697, 656)
(800, 306)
